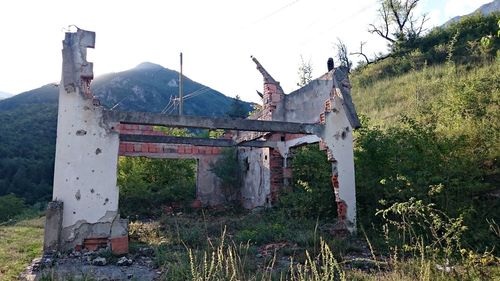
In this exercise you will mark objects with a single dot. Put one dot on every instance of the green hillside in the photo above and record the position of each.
(431, 131)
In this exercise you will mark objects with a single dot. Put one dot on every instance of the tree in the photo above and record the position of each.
(343, 54)
(305, 72)
(237, 109)
(398, 22)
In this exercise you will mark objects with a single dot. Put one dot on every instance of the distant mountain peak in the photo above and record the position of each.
(485, 10)
(148, 65)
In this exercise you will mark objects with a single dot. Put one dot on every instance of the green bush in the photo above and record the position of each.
(148, 184)
(227, 169)
(312, 193)
(10, 206)
(471, 41)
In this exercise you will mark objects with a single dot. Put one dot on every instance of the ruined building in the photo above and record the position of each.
(84, 210)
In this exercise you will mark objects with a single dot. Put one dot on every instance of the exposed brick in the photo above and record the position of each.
(270, 89)
(181, 149)
(144, 147)
(195, 150)
(188, 150)
(322, 145)
(152, 147)
(119, 245)
(130, 147)
(328, 105)
(322, 118)
(123, 148)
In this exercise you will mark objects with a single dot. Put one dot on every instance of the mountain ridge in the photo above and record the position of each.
(484, 9)
(147, 87)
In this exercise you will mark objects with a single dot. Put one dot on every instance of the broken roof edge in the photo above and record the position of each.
(339, 76)
(267, 77)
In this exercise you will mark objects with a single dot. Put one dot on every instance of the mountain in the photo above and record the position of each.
(28, 121)
(4, 95)
(147, 87)
(485, 9)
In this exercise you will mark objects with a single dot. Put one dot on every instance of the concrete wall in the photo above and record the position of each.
(305, 104)
(86, 150)
(326, 100)
(256, 185)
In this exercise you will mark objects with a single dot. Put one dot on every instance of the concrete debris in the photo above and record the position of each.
(100, 261)
(124, 261)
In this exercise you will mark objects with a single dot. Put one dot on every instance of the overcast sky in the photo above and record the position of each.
(217, 37)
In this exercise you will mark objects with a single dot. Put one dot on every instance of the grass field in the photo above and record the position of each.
(19, 244)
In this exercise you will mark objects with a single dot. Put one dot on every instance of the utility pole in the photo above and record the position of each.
(180, 90)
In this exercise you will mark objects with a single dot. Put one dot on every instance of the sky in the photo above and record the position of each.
(216, 37)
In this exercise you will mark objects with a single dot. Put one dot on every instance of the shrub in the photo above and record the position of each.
(10, 206)
(148, 184)
(311, 194)
(227, 169)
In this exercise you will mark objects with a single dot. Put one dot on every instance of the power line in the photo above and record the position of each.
(337, 23)
(276, 11)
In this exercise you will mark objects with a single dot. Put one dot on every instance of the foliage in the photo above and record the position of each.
(311, 194)
(304, 72)
(421, 229)
(27, 150)
(322, 268)
(223, 262)
(147, 184)
(237, 109)
(470, 41)
(228, 170)
(10, 206)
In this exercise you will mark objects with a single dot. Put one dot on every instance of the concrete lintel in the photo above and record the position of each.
(156, 119)
(193, 141)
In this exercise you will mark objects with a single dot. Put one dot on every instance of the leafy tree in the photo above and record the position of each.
(237, 109)
(10, 206)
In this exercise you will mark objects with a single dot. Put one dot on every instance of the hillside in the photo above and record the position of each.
(28, 121)
(431, 129)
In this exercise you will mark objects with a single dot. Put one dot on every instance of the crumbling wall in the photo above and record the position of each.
(256, 177)
(86, 152)
(327, 101)
(208, 189)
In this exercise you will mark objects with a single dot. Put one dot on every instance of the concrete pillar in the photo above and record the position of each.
(53, 226)
(86, 151)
